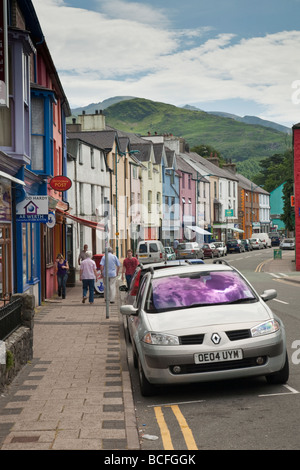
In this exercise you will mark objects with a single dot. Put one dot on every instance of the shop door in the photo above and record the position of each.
(5, 263)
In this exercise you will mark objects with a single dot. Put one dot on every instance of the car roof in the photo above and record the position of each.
(198, 268)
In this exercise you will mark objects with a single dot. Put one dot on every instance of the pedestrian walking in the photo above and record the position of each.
(62, 269)
(88, 274)
(129, 265)
(113, 272)
(82, 255)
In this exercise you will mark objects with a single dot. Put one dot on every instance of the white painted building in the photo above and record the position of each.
(88, 195)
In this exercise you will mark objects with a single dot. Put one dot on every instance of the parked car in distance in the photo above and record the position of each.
(235, 246)
(247, 244)
(189, 326)
(210, 250)
(170, 253)
(221, 246)
(287, 244)
(264, 237)
(256, 243)
(275, 240)
(150, 251)
(189, 250)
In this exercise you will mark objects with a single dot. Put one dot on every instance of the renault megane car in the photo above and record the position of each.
(200, 323)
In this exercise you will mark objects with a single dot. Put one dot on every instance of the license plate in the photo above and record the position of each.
(219, 356)
(184, 254)
(142, 256)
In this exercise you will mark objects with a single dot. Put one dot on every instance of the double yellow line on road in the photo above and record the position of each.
(261, 265)
(165, 433)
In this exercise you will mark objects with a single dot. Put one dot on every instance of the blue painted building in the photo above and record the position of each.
(172, 219)
(30, 154)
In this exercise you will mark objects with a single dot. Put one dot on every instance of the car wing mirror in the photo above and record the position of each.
(269, 294)
(128, 310)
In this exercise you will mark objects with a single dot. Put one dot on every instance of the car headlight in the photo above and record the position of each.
(161, 339)
(270, 326)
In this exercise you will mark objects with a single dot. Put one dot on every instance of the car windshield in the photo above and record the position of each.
(196, 290)
(185, 246)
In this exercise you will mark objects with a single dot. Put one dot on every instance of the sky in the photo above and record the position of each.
(236, 56)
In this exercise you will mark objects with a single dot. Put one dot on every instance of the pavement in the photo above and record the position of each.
(76, 392)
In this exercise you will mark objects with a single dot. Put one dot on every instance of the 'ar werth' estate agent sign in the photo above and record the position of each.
(32, 209)
(60, 183)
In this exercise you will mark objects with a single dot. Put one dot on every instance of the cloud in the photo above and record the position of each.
(116, 51)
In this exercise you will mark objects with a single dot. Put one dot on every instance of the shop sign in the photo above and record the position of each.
(33, 209)
(60, 183)
(228, 212)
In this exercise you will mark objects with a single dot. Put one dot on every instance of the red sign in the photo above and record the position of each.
(60, 183)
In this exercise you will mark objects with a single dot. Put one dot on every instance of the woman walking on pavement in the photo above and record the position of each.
(62, 267)
(88, 274)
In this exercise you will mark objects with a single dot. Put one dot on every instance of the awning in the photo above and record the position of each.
(12, 178)
(87, 223)
(199, 230)
(228, 227)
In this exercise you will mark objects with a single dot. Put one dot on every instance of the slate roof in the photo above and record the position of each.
(100, 139)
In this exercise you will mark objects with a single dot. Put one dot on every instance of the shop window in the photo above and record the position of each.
(30, 253)
(42, 132)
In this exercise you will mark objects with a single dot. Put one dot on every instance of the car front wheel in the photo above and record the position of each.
(282, 376)
(147, 389)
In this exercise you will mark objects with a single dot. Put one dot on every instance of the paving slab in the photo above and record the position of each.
(75, 394)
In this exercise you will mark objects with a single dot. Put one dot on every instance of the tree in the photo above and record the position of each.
(277, 170)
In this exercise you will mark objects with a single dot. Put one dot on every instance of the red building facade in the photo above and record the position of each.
(296, 138)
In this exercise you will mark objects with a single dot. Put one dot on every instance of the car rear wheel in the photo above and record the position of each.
(147, 389)
(282, 376)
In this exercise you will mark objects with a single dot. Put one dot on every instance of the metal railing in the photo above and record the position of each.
(10, 318)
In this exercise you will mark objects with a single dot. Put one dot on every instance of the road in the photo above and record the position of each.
(246, 414)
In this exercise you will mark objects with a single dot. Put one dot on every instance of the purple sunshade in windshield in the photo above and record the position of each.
(212, 288)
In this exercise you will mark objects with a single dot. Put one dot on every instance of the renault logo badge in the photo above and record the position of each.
(216, 338)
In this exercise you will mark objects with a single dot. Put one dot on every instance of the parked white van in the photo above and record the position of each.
(150, 251)
(264, 237)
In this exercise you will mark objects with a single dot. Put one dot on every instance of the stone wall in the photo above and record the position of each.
(19, 345)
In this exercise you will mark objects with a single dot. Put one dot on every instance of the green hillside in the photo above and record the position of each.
(244, 144)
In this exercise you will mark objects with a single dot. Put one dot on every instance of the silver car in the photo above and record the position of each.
(203, 323)
(287, 244)
(256, 244)
(189, 250)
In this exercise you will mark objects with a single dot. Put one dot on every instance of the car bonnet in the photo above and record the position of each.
(192, 319)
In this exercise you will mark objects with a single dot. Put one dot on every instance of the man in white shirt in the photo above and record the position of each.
(88, 274)
(113, 272)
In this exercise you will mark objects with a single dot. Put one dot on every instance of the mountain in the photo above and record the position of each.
(246, 119)
(245, 144)
(91, 108)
